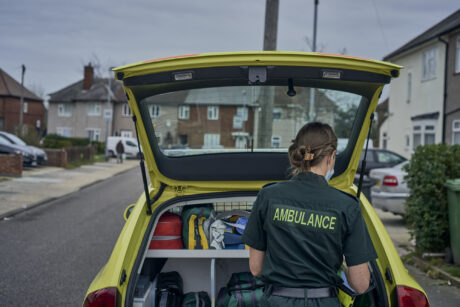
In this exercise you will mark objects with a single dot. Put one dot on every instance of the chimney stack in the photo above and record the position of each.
(88, 77)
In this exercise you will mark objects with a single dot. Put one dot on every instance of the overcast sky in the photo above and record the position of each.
(56, 38)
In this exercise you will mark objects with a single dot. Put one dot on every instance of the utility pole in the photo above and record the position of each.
(21, 104)
(267, 94)
(108, 114)
(312, 90)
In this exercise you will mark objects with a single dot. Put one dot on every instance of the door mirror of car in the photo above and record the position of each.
(128, 210)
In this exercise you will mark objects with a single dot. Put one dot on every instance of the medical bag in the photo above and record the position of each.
(193, 230)
(169, 290)
(196, 299)
(168, 232)
(243, 289)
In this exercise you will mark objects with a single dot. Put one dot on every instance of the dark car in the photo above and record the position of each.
(7, 147)
(39, 153)
(379, 158)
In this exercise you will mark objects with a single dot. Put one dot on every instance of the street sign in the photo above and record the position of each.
(108, 114)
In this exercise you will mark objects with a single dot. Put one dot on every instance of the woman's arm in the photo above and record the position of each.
(256, 261)
(358, 277)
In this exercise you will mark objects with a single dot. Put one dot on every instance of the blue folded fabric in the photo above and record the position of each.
(235, 246)
(232, 238)
(240, 224)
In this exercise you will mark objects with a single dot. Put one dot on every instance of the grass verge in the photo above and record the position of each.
(75, 164)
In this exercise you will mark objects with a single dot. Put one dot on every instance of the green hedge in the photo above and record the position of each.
(57, 141)
(426, 207)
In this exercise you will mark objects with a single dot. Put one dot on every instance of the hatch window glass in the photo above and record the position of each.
(249, 118)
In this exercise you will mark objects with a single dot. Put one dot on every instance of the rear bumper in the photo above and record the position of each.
(393, 202)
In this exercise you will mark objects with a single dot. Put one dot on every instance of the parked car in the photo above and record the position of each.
(28, 158)
(212, 88)
(379, 158)
(390, 191)
(130, 146)
(38, 152)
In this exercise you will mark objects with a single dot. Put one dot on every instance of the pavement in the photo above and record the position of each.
(40, 185)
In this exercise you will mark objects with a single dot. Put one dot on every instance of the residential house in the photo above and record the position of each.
(78, 109)
(10, 102)
(382, 115)
(426, 94)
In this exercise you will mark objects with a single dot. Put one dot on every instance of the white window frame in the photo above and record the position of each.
(154, 111)
(125, 111)
(96, 134)
(423, 131)
(213, 112)
(61, 131)
(211, 139)
(159, 137)
(242, 112)
(429, 64)
(126, 133)
(457, 55)
(64, 110)
(276, 141)
(276, 111)
(455, 130)
(184, 112)
(96, 111)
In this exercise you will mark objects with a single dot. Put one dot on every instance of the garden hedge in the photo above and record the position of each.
(426, 207)
(57, 141)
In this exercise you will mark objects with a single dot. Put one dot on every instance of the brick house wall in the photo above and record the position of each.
(198, 125)
(11, 165)
(452, 110)
(9, 113)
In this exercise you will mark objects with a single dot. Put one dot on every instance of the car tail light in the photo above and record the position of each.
(391, 181)
(106, 297)
(410, 297)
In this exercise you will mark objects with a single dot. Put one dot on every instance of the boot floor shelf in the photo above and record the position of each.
(197, 253)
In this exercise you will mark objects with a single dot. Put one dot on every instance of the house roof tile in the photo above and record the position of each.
(11, 87)
(97, 92)
(447, 25)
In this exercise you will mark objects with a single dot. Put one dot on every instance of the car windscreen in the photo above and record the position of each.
(248, 118)
(15, 140)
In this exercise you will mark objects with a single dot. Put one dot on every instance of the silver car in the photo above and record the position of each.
(390, 191)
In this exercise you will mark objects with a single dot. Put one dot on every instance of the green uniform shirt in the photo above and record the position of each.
(305, 227)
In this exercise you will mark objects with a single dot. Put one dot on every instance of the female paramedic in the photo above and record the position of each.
(300, 230)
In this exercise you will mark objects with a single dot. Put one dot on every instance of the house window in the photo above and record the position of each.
(184, 112)
(126, 134)
(429, 135)
(407, 139)
(159, 137)
(26, 107)
(276, 141)
(457, 55)
(154, 111)
(429, 64)
(213, 113)
(64, 131)
(64, 109)
(277, 112)
(409, 87)
(126, 111)
(93, 134)
(183, 139)
(456, 132)
(242, 112)
(423, 134)
(94, 109)
(211, 140)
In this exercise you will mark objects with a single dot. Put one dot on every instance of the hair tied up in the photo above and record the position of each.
(308, 155)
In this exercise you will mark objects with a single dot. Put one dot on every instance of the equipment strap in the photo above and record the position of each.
(300, 292)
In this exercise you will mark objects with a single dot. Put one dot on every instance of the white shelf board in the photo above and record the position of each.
(198, 253)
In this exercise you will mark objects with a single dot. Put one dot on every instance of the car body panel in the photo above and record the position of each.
(127, 250)
(296, 59)
(390, 198)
